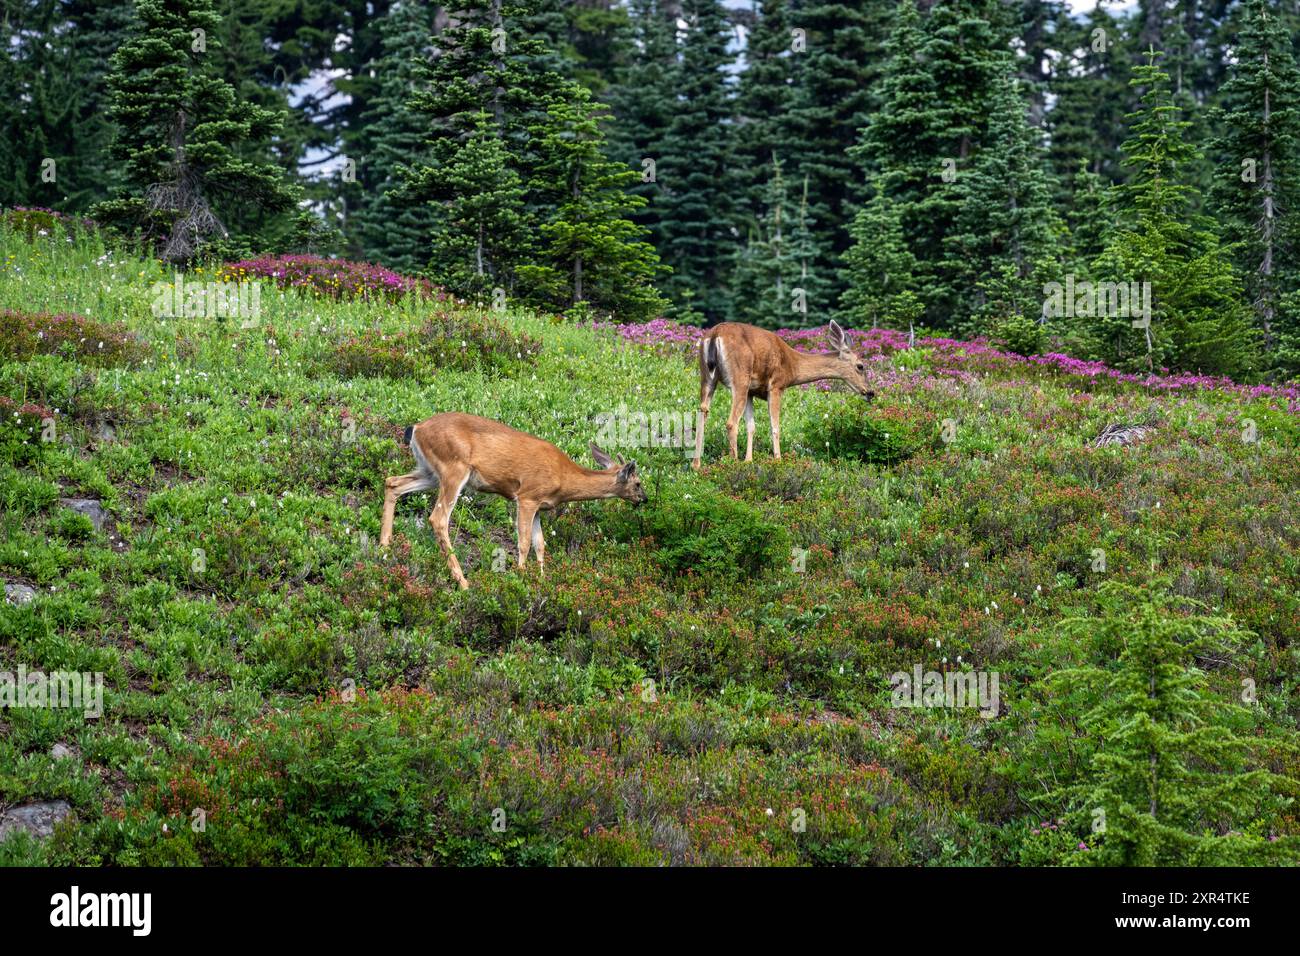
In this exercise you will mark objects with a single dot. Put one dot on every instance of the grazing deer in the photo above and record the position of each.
(754, 363)
(454, 452)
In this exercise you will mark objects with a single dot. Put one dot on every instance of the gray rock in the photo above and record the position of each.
(19, 594)
(38, 819)
(61, 751)
(1118, 433)
(89, 507)
(104, 433)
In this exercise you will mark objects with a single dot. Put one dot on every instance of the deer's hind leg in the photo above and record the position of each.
(452, 480)
(395, 488)
(749, 428)
(739, 401)
(539, 544)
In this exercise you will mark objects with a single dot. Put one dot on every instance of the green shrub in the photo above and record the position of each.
(71, 336)
(850, 431)
(72, 526)
(700, 530)
(1020, 334)
(1152, 766)
(21, 431)
(455, 341)
(35, 221)
(770, 479)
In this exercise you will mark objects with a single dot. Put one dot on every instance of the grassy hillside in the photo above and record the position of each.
(676, 689)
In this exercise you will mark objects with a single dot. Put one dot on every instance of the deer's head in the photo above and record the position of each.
(627, 483)
(854, 366)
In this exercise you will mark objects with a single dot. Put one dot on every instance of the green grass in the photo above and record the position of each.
(321, 702)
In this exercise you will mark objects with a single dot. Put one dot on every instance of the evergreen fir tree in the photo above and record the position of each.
(1087, 219)
(389, 226)
(479, 222)
(485, 64)
(193, 155)
(1041, 25)
(762, 107)
(775, 279)
(759, 274)
(881, 266)
(591, 256)
(1256, 192)
(1090, 89)
(643, 99)
(697, 207)
(52, 95)
(1198, 322)
(1007, 232)
(936, 96)
(1168, 777)
(835, 84)
(813, 283)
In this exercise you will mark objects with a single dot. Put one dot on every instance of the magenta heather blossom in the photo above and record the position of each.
(335, 278)
(962, 360)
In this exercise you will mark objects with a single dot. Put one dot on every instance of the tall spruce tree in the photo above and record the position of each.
(485, 64)
(1007, 231)
(775, 277)
(762, 110)
(643, 97)
(835, 85)
(881, 267)
(697, 208)
(476, 198)
(1256, 193)
(1198, 321)
(936, 95)
(194, 156)
(1089, 87)
(54, 129)
(1087, 219)
(1159, 768)
(1040, 25)
(590, 256)
(388, 225)
(760, 273)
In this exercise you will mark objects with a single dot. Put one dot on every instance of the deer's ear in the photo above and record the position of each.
(839, 341)
(627, 472)
(602, 460)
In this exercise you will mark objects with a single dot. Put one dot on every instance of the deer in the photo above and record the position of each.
(455, 452)
(755, 363)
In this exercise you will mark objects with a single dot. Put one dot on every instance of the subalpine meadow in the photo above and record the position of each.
(709, 679)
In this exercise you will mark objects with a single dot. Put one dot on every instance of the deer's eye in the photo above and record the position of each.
(861, 367)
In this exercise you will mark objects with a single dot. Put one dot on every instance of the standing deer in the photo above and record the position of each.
(754, 363)
(455, 451)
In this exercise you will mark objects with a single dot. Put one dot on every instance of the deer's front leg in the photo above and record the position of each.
(451, 484)
(774, 413)
(526, 512)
